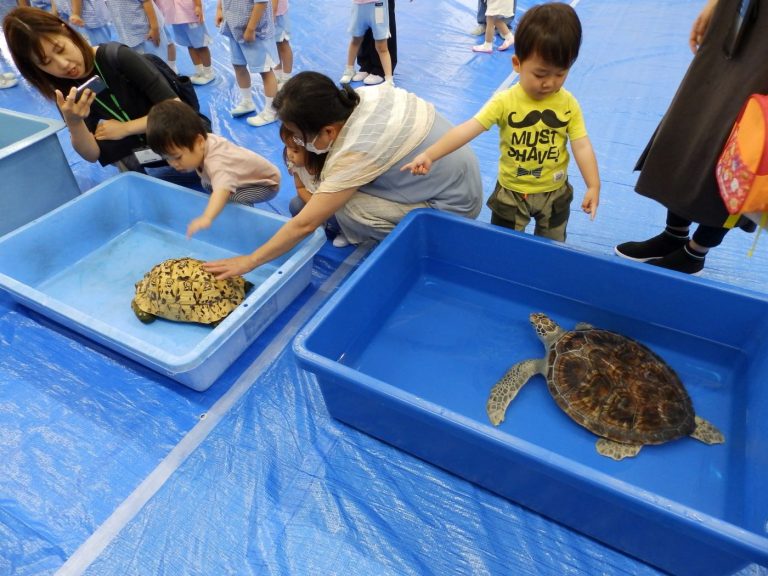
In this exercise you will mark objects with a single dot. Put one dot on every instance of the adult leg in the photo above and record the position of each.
(690, 258)
(365, 217)
(674, 236)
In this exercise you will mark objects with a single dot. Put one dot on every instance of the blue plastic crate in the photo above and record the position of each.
(79, 263)
(409, 347)
(34, 171)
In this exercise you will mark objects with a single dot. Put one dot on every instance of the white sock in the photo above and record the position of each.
(268, 104)
(172, 64)
(207, 70)
(509, 36)
(245, 95)
(198, 69)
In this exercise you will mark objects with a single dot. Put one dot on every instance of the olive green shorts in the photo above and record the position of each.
(550, 210)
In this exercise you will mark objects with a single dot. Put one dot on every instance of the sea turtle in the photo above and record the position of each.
(610, 384)
(179, 289)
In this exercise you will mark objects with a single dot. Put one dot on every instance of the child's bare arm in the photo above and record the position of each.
(301, 190)
(452, 140)
(249, 34)
(587, 163)
(154, 30)
(216, 203)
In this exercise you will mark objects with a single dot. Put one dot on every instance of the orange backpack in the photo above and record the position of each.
(742, 169)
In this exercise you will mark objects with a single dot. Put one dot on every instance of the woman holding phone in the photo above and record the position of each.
(107, 117)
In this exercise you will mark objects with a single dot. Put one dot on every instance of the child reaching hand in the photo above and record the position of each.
(536, 118)
(229, 172)
(305, 168)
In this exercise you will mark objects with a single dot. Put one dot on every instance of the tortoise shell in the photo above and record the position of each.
(181, 290)
(618, 388)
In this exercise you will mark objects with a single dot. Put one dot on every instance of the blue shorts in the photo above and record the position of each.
(259, 55)
(191, 35)
(147, 47)
(282, 28)
(98, 35)
(374, 15)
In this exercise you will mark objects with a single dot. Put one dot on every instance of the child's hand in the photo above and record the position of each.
(154, 35)
(76, 20)
(249, 34)
(199, 223)
(590, 202)
(419, 166)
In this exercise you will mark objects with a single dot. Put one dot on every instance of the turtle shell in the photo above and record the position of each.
(618, 388)
(179, 289)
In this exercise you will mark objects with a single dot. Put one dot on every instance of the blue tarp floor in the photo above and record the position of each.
(109, 468)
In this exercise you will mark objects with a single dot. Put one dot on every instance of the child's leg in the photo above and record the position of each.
(349, 70)
(253, 194)
(386, 63)
(509, 209)
(505, 33)
(286, 57)
(487, 45)
(354, 47)
(490, 23)
(242, 77)
(551, 211)
(270, 86)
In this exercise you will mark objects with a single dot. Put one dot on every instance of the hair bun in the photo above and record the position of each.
(348, 96)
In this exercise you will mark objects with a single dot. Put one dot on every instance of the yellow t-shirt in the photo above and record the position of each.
(532, 137)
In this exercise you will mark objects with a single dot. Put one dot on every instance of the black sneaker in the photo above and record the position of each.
(681, 260)
(656, 247)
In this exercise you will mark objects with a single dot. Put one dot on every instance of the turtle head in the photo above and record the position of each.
(546, 329)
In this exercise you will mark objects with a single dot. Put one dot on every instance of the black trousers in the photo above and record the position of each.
(707, 236)
(368, 58)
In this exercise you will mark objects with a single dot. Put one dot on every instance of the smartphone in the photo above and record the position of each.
(95, 84)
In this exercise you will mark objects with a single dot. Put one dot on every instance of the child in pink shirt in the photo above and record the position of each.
(229, 172)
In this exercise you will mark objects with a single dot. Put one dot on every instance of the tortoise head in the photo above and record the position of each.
(546, 329)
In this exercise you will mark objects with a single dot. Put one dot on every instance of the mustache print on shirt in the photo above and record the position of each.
(547, 116)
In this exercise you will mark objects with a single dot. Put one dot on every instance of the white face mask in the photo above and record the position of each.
(310, 147)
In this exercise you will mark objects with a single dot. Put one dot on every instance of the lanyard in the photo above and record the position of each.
(122, 117)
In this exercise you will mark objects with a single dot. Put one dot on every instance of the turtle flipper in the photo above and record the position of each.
(505, 390)
(617, 450)
(707, 432)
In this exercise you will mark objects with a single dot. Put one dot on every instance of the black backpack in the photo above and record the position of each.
(182, 85)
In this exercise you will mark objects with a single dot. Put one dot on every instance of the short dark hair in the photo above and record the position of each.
(173, 124)
(552, 31)
(24, 30)
(311, 100)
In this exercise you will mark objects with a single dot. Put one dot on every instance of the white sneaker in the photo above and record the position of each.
(243, 107)
(346, 78)
(266, 116)
(202, 78)
(360, 76)
(281, 80)
(372, 79)
(340, 241)
(8, 82)
(8, 75)
(478, 30)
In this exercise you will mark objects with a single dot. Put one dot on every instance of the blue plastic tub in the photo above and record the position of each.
(409, 347)
(34, 171)
(78, 265)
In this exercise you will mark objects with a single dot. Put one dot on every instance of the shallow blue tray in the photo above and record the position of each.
(34, 171)
(78, 265)
(409, 347)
